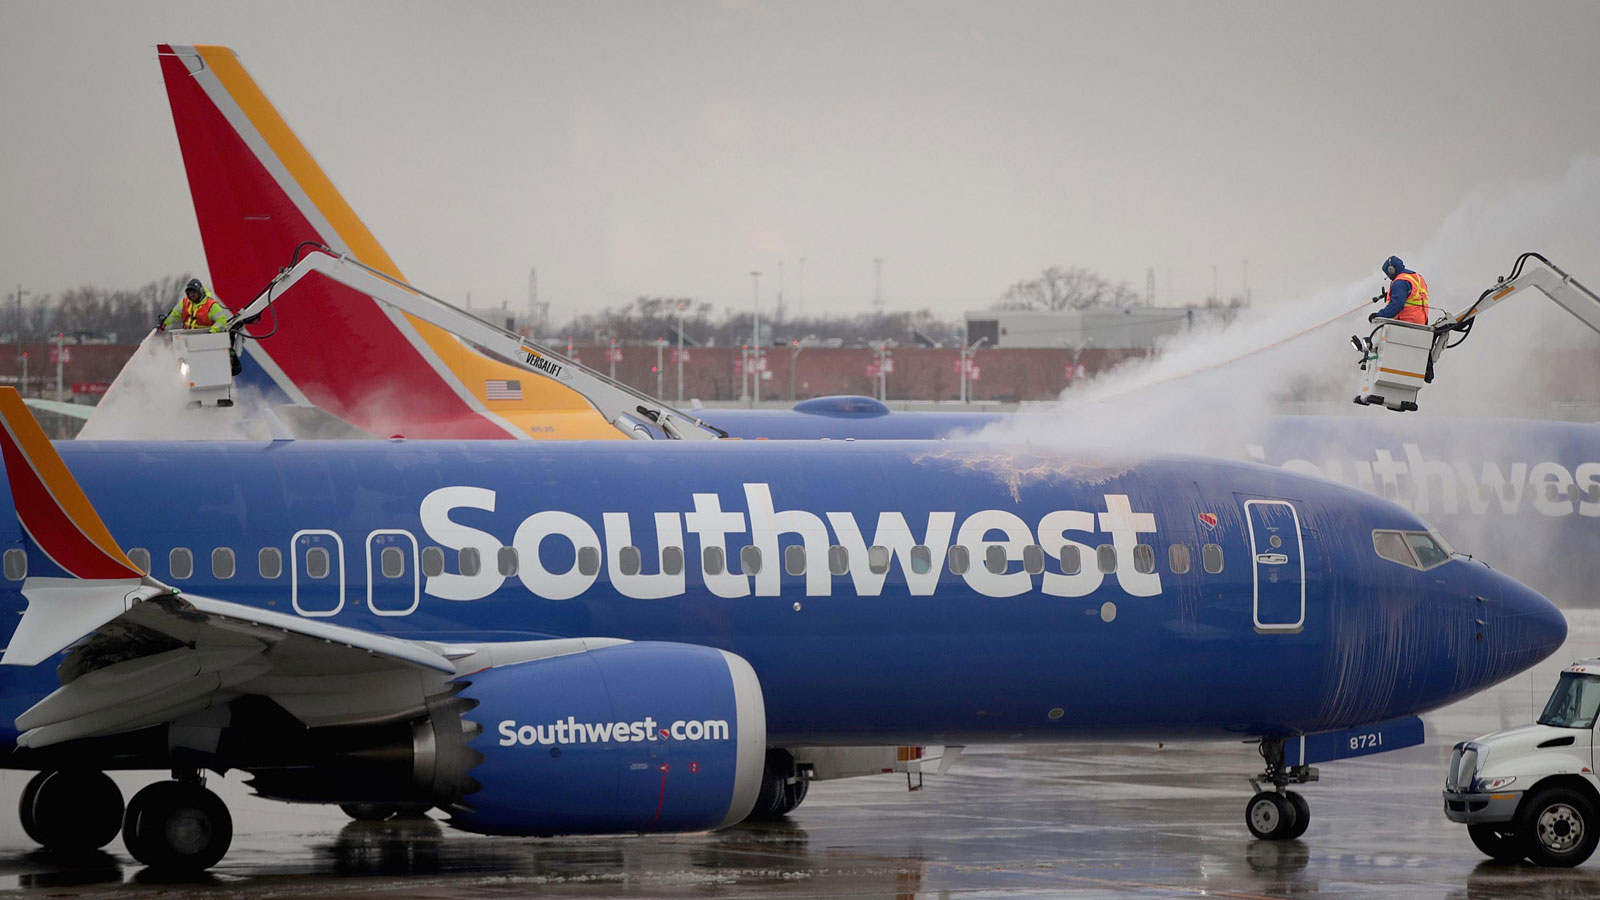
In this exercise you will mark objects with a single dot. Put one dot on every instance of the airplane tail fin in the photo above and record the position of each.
(258, 194)
(52, 509)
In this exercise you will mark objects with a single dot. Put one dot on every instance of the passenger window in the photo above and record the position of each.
(960, 560)
(1144, 559)
(139, 556)
(1071, 560)
(750, 560)
(1391, 546)
(1178, 558)
(994, 559)
(794, 559)
(672, 560)
(711, 560)
(506, 561)
(921, 560)
(317, 562)
(1033, 559)
(16, 564)
(878, 559)
(838, 560)
(222, 562)
(469, 563)
(1105, 558)
(180, 562)
(588, 561)
(1429, 554)
(432, 561)
(392, 562)
(629, 561)
(269, 562)
(1211, 558)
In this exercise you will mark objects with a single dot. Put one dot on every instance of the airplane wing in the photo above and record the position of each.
(167, 655)
(60, 407)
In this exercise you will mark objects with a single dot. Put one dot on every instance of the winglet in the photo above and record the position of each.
(53, 510)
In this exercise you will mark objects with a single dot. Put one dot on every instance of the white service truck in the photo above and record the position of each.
(1531, 792)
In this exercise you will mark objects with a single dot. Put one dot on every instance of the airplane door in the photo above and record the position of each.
(394, 586)
(1278, 558)
(316, 576)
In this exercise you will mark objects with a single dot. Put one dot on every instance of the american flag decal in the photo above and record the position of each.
(500, 389)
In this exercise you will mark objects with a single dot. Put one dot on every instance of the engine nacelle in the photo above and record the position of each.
(637, 737)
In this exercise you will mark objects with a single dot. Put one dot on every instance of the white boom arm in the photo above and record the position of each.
(623, 406)
(1565, 290)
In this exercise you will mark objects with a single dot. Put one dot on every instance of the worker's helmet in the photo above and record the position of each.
(195, 287)
(1393, 266)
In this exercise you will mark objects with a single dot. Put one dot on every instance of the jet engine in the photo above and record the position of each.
(633, 737)
(636, 737)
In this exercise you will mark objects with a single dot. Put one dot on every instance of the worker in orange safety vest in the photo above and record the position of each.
(1407, 294)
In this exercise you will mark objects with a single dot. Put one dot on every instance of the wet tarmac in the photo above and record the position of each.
(1103, 820)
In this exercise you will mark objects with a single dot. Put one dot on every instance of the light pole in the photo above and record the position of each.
(794, 354)
(20, 294)
(680, 354)
(660, 343)
(966, 363)
(755, 337)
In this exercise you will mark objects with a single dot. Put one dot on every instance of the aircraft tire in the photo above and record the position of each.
(1270, 816)
(1302, 815)
(71, 811)
(1496, 841)
(382, 812)
(177, 826)
(1558, 827)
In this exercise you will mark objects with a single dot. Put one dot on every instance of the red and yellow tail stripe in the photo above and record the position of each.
(51, 507)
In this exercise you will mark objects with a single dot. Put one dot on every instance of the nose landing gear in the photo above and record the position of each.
(1278, 814)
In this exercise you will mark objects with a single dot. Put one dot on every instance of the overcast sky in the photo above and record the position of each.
(669, 148)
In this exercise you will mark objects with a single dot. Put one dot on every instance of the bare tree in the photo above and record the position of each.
(1059, 288)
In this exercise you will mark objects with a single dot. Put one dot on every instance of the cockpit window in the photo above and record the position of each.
(1429, 553)
(1391, 546)
(1413, 549)
(1574, 703)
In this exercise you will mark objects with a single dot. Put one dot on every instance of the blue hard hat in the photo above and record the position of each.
(1393, 266)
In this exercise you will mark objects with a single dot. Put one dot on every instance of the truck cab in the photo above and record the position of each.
(1531, 792)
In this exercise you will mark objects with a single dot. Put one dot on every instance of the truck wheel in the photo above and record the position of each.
(1496, 841)
(1558, 827)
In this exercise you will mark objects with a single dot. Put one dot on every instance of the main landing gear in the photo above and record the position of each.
(71, 811)
(1278, 814)
(783, 787)
(177, 826)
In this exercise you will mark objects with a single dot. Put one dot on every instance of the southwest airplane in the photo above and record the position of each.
(598, 637)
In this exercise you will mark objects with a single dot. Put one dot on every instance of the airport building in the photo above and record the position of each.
(1118, 328)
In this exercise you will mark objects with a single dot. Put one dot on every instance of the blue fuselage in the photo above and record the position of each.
(1086, 598)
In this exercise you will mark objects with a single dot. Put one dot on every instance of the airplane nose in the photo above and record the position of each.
(1526, 627)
